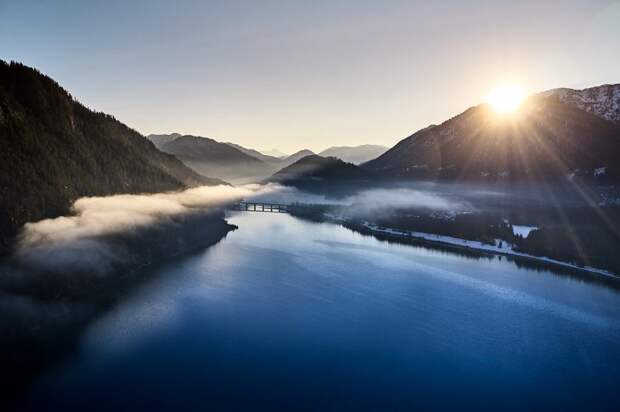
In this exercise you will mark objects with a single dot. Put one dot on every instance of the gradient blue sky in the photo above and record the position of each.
(296, 74)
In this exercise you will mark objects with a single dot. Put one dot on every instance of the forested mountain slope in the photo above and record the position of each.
(55, 150)
(546, 139)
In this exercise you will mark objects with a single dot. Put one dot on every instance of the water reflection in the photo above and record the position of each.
(296, 315)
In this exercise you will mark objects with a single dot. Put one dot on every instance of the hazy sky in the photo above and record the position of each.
(294, 74)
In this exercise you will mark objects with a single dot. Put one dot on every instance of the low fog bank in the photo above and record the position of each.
(65, 268)
(569, 223)
(532, 204)
(99, 216)
(104, 234)
(64, 257)
(373, 203)
(68, 269)
(527, 194)
(365, 200)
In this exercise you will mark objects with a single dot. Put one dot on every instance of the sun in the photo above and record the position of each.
(506, 98)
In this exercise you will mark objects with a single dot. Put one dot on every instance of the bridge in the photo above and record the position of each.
(260, 207)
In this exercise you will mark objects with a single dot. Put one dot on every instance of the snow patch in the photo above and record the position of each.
(522, 230)
(600, 171)
(602, 101)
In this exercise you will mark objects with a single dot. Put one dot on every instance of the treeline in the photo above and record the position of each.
(482, 227)
(585, 236)
(312, 212)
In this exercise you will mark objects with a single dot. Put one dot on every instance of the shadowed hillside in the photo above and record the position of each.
(213, 158)
(545, 139)
(317, 168)
(228, 161)
(55, 150)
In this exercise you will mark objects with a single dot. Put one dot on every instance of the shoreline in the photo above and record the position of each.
(464, 244)
(62, 300)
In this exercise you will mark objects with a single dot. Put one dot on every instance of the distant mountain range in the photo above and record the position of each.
(559, 134)
(55, 150)
(256, 154)
(235, 163)
(227, 161)
(297, 156)
(274, 153)
(562, 133)
(355, 154)
(213, 158)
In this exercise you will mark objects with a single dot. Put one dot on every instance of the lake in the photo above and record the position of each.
(292, 315)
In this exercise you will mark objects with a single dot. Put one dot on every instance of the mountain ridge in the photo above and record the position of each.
(297, 156)
(210, 157)
(602, 101)
(255, 153)
(316, 168)
(545, 139)
(224, 160)
(197, 147)
(56, 150)
(161, 139)
(274, 153)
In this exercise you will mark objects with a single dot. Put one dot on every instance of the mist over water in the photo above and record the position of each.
(97, 216)
(88, 238)
(68, 269)
(69, 257)
(370, 200)
(52, 286)
(94, 237)
(330, 317)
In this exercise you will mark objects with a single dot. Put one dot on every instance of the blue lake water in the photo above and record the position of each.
(291, 315)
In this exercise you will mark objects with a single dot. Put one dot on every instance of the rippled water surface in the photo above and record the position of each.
(287, 314)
